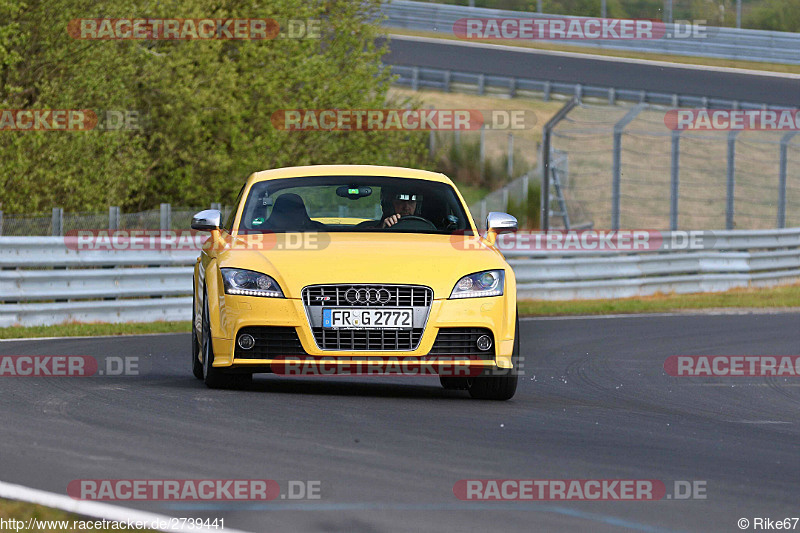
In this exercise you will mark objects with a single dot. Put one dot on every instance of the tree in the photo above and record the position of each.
(204, 105)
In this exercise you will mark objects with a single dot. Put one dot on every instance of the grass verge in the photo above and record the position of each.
(60, 521)
(774, 298)
(784, 297)
(689, 60)
(94, 330)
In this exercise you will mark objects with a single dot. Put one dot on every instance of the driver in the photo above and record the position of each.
(402, 203)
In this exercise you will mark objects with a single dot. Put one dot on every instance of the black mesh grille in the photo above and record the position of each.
(368, 339)
(461, 341)
(271, 341)
(398, 295)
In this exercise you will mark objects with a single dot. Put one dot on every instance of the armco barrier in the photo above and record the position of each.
(525, 85)
(43, 282)
(728, 43)
(735, 259)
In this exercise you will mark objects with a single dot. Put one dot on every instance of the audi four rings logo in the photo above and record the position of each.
(367, 296)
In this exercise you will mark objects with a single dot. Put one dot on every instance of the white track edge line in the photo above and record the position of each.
(90, 508)
(771, 311)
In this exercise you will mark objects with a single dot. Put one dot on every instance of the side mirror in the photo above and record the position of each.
(501, 223)
(207, 220)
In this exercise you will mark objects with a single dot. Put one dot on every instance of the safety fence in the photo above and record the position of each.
(58, 222)
(623, 167)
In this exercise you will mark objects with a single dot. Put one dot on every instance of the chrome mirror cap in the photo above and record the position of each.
(206, 220)
(501, 222)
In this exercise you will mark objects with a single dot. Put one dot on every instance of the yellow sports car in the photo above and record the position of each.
(354, 266)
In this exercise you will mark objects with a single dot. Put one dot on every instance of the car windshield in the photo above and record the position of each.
(357, 203)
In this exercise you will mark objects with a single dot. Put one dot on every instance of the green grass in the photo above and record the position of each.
(10, 509)
(776, 297)
(94, 330)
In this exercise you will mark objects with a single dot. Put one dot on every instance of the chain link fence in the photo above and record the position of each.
(60, 223)
(626, 169)
(494, 170)
(520, 198)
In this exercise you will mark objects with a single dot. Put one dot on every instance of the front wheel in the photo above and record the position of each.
(498, 387)
(197, 366)
(214, 377)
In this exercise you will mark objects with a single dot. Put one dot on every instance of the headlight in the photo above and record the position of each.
(249, 283)
(489, 283)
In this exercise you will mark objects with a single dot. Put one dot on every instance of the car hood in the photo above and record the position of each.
(437, 261)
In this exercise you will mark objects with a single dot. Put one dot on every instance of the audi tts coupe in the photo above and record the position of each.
(346, 266)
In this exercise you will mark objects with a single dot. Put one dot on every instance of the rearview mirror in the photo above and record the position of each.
(353, 192)
(207, 220)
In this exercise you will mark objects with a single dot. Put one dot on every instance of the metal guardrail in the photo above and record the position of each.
(39, 286)
(93, 283)
(727, 43)
(53, 252)
(454, 81)
(772, 257)
(109, 311)
(43, 281)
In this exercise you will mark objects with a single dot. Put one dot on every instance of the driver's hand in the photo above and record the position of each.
(390, 221)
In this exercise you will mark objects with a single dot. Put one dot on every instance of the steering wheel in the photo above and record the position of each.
(415, 221)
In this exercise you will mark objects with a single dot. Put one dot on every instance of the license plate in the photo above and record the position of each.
(367, 318)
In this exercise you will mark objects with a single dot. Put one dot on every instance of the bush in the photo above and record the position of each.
(528, 216)
(462, 163)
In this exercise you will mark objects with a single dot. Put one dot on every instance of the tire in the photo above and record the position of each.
(214, 377)
(454, 383)
(197, 366)
(502, 387)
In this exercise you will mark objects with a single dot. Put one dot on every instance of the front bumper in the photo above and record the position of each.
(236, 312)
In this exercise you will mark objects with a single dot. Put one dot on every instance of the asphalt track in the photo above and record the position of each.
(595, 404)
(603, 72)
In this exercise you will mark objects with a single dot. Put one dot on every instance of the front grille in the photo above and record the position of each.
(317, 298)
(271, 342)
(398, 295)
(368, 339)
(461, 341)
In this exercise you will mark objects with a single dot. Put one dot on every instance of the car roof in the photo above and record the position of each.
(348, 170)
